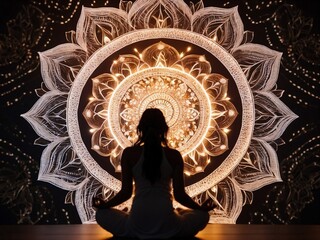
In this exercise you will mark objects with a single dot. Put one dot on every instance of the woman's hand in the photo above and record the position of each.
(208, 205)
(98, 202)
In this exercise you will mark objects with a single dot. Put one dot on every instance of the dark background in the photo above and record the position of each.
(28, 27)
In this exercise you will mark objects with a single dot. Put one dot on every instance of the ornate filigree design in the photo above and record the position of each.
(194, 102)
(250, 162)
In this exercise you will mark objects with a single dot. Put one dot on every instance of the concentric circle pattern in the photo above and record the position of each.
(215, 88)
(176, 93)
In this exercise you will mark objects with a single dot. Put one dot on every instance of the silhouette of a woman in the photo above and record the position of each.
(155, 168)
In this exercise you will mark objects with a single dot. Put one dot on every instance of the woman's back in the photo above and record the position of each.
(143, 184)
(152, 211)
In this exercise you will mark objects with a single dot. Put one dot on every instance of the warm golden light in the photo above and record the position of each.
(231, 113)
(226, 130)
(95, 147)
(88, 114)
(215, 38)
(176, 91)
(191, 91)
(106, 39)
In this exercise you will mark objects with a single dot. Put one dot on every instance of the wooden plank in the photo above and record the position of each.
(212, 231)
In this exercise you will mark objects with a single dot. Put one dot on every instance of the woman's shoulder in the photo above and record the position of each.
(133, 150)
(171, 151)
(173, 155)
(131, 155)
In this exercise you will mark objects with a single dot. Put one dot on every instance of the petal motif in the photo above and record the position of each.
(48, 116)
(160, 14)
(216, 86)
(215, 142)
(61, 167)
(128, 115)
(98, 26)
(93, 113)
(230, 205)
(222, 25)
(60, 65)
(160, 54)
(126, 65)
(96, 112)
(260, 64)
(83, 199)
(194, 65)
(227, 113)
(258, 168)
(104, 85)
(272, 116)
(196, 161)
(103, 142)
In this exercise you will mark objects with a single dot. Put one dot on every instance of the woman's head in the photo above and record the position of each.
(152, 130)
(152, 124)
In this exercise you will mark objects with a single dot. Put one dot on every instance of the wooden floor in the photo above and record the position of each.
(212, 231)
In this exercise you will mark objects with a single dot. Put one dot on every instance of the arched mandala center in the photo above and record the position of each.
(177, 94)
(165, 102)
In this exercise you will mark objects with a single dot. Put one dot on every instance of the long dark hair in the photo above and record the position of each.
(152, 132)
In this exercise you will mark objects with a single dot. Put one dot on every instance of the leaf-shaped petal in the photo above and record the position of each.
(260, 64)
(125, 65)
(60, 65)
(128, 115)
(222, 25)
(228, 113)
(196, 161)
(230, 201)
(92, 187)
(194, 65)
(83, 199)
(98, 26)
(215, 142)
(160, 14)
(104, 85)
(258, 168)
(48, 116)
(103, 142)
(215, 85)
(94, 113)
(272, 116)
(160, 54)
(61, 166)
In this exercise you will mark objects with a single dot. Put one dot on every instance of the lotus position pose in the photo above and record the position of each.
(155, 168)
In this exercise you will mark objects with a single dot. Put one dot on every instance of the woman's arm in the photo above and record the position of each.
(126, 187)
(178, 187)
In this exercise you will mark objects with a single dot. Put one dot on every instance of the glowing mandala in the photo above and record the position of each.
(216, 90)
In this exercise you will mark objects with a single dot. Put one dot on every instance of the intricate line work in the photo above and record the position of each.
(197, 96)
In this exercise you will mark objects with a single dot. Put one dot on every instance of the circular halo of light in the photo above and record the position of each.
(157, 99)
(247, 121)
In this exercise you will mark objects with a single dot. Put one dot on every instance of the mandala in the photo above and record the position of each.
(216, 89)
